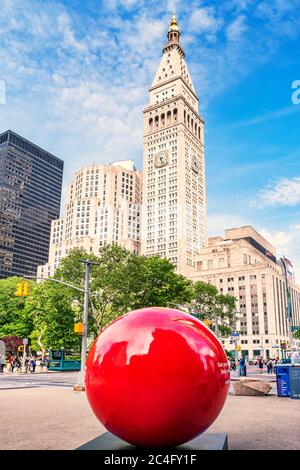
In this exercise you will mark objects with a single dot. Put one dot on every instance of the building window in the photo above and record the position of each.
(209, 264)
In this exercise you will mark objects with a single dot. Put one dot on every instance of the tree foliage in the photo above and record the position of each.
(209, 304)
(14, 320)
(53, 314)
(120, 281)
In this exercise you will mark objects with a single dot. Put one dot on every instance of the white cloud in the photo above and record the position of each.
(271, 116)
(204, 20)
(236, 29)
(286, 192)
(286, 243)
(80, 84)
(218, 223)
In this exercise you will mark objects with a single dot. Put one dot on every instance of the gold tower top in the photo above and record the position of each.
(173, 24)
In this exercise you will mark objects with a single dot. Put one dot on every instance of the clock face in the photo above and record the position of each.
(195, 164)
(161, 158)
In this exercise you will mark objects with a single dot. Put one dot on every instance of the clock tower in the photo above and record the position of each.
(174, 200)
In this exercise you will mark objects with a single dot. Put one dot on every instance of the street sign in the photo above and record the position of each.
(25, 341)
(235, 333)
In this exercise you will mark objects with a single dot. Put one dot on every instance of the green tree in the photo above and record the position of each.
(14, 320)
(209, 303)
(296, 334)
(161, 285)
(123, 281)
(53, 311)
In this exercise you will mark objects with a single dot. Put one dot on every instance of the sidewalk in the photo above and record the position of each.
(16, 374)
(59, 418)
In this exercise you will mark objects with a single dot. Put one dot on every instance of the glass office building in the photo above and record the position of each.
(30, 192)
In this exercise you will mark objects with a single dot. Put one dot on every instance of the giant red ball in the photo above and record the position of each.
(157, 377)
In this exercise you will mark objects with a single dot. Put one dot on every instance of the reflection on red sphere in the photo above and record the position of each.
(157, 377)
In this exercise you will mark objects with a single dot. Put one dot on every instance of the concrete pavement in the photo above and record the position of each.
(33, 380)
(50, 417)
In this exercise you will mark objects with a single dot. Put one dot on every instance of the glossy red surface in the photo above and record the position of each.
(157, 377)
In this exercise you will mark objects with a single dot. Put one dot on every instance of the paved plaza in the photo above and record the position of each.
(43, 412)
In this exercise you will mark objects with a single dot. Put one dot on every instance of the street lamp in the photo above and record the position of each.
(80, 386)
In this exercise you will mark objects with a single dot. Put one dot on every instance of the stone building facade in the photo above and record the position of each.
(103, 206)
(245, 265)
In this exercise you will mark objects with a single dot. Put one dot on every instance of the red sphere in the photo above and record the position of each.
(157, 377)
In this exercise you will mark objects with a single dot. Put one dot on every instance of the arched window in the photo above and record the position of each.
(192, 125)
(199, 132)
(195, 128)
(175, 114)
(188, 120)
(168, 118)
(162, 119)
(156, 121)
(151, 124)
(184, 116)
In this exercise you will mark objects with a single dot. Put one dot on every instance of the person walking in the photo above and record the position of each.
(17, 364)
(274, 365)
(242, 371)
(2, 364)
(261, 365)
(27, 364)
(269, 366)
(11, 363)
(33, 365)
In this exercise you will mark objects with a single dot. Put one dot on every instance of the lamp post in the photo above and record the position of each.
(80, 385)
(289, 313)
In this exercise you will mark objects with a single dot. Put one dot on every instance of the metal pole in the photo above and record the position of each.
(217, 326)
(24, 358)
(288, 306)
(80, 386)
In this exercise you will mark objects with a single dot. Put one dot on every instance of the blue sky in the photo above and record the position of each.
(77, 76)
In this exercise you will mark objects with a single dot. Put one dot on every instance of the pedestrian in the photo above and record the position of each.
(242, 371)
(11, 362)
(2, 364)
(17, 364)
(261, 365)
(274, 365)
(27, 364)
(33, 364)
(269, 366)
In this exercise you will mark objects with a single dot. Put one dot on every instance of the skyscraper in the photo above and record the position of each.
(174, 196)
(30, 191)
(103, 205)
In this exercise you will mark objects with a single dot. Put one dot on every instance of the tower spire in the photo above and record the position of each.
(174, 31)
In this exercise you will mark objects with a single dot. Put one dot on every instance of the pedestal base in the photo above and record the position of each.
(206, 441)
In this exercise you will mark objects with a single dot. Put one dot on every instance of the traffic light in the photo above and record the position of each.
(238, 347)
(20, 348)
(22, 289)
(25, 289)
(207, 323)
(79, 328)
